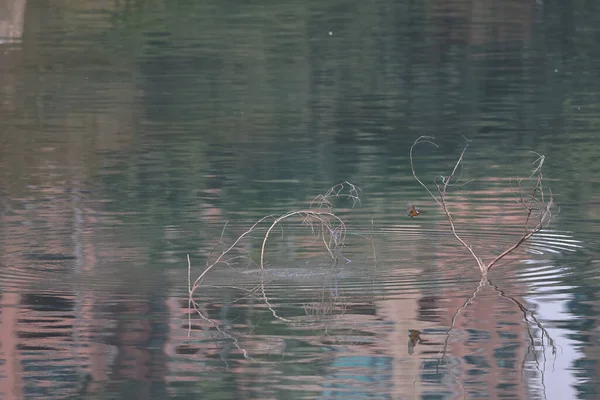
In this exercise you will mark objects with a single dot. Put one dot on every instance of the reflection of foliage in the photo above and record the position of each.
(233, 79)
(326, 306)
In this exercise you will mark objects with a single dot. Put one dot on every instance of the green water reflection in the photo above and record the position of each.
(132, 131)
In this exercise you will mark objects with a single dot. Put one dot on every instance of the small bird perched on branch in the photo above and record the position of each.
(412, 211)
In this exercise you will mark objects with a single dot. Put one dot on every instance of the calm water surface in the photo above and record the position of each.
(135, 133)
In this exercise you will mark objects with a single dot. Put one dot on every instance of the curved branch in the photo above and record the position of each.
(325, 225)
(442, 189)
(307, 214)
(422, 139)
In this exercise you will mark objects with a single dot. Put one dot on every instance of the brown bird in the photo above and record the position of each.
(412, 211)
(414, 338)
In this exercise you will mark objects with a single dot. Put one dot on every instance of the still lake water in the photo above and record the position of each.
(133, 132)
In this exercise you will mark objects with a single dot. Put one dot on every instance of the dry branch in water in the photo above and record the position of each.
(326, 226)
(538, 206)
(537, 202)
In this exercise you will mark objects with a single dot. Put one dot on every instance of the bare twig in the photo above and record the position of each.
(327, 223)
(344, 189)
(538, 205)
(324, 223)
(442, 188)
(422, 139)
(200, 278)
(539, 209)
